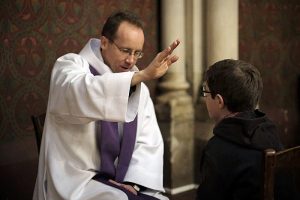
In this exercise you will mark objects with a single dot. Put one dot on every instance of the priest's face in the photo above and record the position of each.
(122, 53)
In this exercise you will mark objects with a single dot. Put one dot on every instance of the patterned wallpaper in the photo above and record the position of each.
(33, 33)
(270, 39)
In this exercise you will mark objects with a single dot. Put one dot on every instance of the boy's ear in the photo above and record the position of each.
(220, 101)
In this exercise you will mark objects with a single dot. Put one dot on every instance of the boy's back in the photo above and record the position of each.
(233, 157)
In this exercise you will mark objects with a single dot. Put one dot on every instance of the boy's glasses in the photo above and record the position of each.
(203, 92)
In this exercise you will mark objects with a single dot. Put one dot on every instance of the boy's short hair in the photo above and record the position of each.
(238, 82)
(113, 22)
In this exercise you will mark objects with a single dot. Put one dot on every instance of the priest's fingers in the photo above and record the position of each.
(130, 189)
(172, 60)
(114, 182)
(174, 45)
(127, 187)
(166, 52)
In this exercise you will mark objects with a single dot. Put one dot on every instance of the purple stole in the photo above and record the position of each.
(111, 146)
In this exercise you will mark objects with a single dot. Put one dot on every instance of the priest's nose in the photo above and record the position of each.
(130, 59)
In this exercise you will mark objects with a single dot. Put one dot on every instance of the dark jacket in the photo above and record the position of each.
(231, 166)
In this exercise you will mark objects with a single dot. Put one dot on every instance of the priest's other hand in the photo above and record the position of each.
(127, 187)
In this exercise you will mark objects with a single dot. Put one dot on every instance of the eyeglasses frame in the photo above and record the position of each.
(203, 92)
(129, 52)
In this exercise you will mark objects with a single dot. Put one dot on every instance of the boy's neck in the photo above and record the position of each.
(227, 114)
(231, 114)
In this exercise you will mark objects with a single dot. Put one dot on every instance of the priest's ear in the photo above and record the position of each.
(104, 42)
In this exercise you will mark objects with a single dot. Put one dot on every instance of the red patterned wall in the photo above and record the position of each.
(33, 33)
(269, 32)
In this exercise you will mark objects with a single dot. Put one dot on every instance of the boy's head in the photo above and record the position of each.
(233, 86)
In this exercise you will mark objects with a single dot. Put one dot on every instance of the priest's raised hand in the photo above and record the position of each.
(159, 65)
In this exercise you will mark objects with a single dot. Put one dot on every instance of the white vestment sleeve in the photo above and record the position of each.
(77, 96)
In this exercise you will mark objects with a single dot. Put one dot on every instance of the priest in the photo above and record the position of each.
(101, 139)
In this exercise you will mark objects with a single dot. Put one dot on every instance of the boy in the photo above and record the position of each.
(231, 166)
